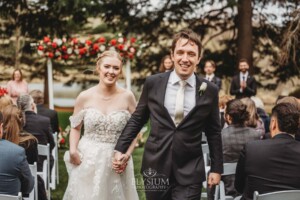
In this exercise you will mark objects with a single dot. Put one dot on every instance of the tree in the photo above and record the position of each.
(244, 39)
(256, 34)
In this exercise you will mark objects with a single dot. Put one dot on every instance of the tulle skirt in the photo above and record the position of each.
(94, 178)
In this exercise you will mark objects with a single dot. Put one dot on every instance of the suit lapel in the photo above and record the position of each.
(161, 92)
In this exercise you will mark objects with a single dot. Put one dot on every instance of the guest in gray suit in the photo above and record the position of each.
(234, 138)
(15, 175)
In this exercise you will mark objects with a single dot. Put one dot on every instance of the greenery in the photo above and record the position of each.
(221, 25)
(63, 118)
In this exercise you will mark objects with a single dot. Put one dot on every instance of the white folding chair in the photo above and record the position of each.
(204, 138)
(205, 151)
(229, 169)
(54, 171)
(11, 197)
(34, 193)
(284, 195)
(44, 150)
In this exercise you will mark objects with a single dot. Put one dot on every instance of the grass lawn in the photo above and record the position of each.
(63, 176)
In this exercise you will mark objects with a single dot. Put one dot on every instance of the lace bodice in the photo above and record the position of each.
(101, 127)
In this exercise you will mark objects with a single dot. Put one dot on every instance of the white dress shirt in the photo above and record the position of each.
(171, 93)
(210, 77)
(241, 78)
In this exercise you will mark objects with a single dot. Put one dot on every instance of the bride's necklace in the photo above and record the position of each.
(107, 98)
(110, 97)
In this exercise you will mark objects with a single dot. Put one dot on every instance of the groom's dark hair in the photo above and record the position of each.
(190, 35)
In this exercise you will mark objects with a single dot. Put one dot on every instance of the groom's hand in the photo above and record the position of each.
(213, 179)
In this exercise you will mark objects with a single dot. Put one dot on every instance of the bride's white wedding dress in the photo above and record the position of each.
(94, 178)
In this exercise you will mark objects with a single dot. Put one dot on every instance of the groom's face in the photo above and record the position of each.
(185, 58)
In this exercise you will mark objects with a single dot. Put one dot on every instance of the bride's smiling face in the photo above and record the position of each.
(109, 69)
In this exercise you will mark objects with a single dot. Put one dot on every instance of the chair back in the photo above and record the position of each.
(11, 197)
(229, 169)
(44, 150)
(34, 193)
(284, 195)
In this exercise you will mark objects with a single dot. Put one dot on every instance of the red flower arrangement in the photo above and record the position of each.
(64, 49)
(3, 91)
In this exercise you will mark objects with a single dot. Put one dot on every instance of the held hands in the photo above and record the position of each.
(213, 179)
(119, 162)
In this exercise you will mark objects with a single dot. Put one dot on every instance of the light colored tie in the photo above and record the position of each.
(179, 103)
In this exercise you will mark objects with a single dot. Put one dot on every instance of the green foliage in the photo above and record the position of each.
(155, 24)
(63, 118)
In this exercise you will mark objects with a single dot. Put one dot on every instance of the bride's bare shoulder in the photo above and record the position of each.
(86, 94)
(125, 93)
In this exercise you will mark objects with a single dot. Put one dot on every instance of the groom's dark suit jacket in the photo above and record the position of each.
(176, 150)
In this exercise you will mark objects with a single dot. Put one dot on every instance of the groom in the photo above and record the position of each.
(173, 165)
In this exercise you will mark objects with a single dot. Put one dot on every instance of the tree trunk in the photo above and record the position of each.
(18, 38)
(245, 32)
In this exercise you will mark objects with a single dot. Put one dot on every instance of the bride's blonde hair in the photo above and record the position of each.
(109, 53)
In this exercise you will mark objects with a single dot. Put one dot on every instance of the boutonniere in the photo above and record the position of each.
(202, 88)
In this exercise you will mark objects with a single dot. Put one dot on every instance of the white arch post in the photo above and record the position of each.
(50, 83)
(128, 75)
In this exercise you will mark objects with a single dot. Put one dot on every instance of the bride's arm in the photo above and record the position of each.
(75, 133)
(120, 160)
(131, 107)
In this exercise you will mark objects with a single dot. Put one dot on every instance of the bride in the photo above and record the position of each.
(103, 110)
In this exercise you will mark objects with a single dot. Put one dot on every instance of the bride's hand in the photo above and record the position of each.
(119, 162)
(75, 158)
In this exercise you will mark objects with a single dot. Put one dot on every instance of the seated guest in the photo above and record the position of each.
(5, 100)
(38, 125)
(262, 114)
(272, 165)
(15, 175)
(291, 100)
(222, 106)
(254, 121)
(13, 125)
(234, 137)
(38, 98)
